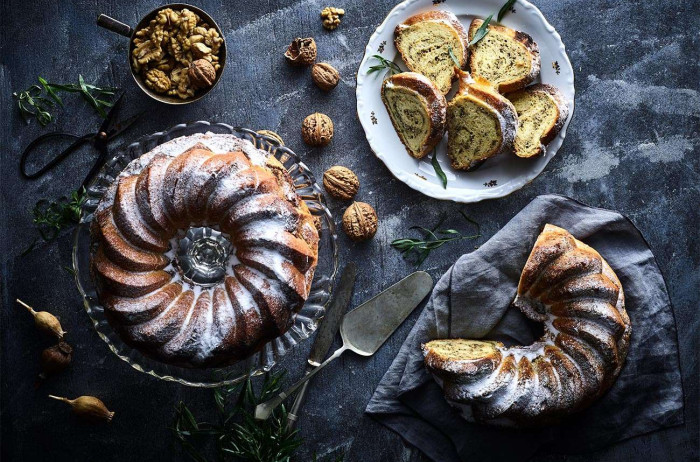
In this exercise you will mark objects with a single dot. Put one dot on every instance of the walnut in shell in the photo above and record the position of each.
(301, 52)
(325, 76)
(341, 182)
(317, 129)
(202, 73)
(360, 221)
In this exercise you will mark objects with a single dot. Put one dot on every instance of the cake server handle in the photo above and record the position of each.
(263, 410)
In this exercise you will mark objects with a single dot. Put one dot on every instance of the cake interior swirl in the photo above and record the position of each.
(203, 251)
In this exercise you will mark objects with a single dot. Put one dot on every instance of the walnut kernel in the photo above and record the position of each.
(157, 81)
(301, 52)
(360, 221)
(331, 17)
(317, 129)
(341, 182)
(200, 50)
(325, 76)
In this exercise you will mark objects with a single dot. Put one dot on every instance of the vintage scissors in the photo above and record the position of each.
(107, 131)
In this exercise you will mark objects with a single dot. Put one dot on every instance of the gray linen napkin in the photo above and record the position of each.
(472, 300)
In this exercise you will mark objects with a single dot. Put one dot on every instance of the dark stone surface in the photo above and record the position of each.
(632, 146)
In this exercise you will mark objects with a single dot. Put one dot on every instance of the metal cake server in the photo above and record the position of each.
(325, 335)
(367, 327)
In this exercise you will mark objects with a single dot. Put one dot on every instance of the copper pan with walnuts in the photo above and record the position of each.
(172, 86)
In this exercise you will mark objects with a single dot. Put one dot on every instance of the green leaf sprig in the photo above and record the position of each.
(484, 28)
(38, 101)
(237, 435)
(384, 64)
(51, 217)
(481, 31)
(419, 249)
(454, 58)
(438, 170)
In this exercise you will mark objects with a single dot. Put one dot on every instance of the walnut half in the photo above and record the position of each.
(331, 17)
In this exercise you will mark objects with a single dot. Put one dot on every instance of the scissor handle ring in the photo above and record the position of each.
(79, 140)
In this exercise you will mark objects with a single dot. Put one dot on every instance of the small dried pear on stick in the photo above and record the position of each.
(45, 321)
(88, 407)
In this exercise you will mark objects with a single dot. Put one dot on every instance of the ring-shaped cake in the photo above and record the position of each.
(203, 251)
(571, 289)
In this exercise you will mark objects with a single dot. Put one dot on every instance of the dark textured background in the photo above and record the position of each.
(632, 146)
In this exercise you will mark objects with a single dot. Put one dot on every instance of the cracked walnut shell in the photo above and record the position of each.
(341, 182)
(301, 52)
(360, 221)
(317, 129)
(325, 76)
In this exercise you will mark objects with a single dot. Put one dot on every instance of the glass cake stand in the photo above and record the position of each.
(306, 320)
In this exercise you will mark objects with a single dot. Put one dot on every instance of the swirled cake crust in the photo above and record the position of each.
(225, 184)
(571, 289)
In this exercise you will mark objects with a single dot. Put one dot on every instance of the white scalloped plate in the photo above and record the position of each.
(498, 176)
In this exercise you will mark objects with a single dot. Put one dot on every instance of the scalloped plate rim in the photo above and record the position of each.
(433, 189)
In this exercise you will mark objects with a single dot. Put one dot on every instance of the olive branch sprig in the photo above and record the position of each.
(51, 217)
(39, 100)
(237, 435)
(484, 28)
(434, 238)
(390, 66)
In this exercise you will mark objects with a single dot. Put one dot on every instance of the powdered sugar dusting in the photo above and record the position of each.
(570, 364)
(200, 334)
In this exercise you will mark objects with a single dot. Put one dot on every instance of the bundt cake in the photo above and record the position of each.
(203, 251)
(417, 109)
(542, 111)
(570, 288)
(480, 123)
(507, 58)
(425, 42)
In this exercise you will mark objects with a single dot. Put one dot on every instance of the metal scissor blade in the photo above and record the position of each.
(122, 126)
(108, 123)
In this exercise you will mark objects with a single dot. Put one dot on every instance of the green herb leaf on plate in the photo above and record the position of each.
(438, 170)
(454, 58)
(481, 31)
(384, 64)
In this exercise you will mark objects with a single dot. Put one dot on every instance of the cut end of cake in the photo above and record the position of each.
(460, 349)
(462, 359)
